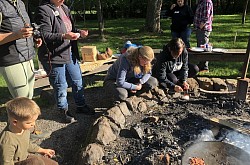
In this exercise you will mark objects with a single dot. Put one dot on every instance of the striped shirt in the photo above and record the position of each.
(204, 14)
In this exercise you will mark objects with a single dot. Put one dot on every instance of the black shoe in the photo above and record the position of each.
(85, 110)
(69, 118)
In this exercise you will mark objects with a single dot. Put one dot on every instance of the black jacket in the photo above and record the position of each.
(19, 50)
(165, 63)
(52, 28)
(182, 17)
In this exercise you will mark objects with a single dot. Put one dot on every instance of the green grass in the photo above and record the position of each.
(118, 31)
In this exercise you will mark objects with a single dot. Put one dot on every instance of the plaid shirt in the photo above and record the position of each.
(204, 14)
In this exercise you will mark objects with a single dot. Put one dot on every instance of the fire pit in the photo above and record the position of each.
(216, 153)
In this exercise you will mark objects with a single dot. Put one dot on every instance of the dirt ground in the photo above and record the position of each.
(179, 123)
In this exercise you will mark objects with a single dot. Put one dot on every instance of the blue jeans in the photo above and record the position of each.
(58, 77)
(184, 35)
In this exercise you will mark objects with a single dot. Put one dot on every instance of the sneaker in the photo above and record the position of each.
(35, 135)
(69, 118)
(204, 70)
(85, 110)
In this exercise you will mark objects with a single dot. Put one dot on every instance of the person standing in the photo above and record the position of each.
(203, 25)
(59, 55)
(172, 68)
(17, 48)
(131, 73)
(182, 18)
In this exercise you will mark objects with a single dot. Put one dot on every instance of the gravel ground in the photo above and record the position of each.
(66, 139)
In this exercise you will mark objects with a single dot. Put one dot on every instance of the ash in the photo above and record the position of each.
(181, 123)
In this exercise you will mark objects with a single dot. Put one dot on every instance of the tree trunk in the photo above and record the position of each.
(100, 19)
(244, 13)
(153, 16)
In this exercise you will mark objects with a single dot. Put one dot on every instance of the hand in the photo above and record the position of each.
(71, 36)
(25, 32)
(185, 85)
(38, 42)
(138, 87)
(172, 6)
(84, 33)
(177, 88)
(202, 25)
(48, 152)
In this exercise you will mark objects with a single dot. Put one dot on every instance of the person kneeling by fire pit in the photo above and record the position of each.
(131, 73)
(172, 68)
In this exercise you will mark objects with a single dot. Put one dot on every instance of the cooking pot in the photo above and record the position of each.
(216, 153)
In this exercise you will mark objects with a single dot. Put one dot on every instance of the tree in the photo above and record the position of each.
(244, 13)
(100, 19)
(153, 16)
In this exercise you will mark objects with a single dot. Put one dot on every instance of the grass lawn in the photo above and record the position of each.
(118, 31)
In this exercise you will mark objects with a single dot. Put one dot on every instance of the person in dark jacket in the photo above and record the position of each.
(182, 18)
(59, 55)
(172, 68)
(17, 48)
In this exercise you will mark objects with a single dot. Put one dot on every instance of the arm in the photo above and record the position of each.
(184, 69)
(22, 33)
(47, 152)
(7, 154)
(122, 72)
(206, 8)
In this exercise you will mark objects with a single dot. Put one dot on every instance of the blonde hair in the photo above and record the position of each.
(22, 108)
(133, 57)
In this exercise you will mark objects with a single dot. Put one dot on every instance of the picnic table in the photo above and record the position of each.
(232, 55)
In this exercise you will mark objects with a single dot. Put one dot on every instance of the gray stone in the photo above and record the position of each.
(142, 107)
(124, 109)
(116, 115)
(193, 84)
(205, 83)
(133, 102)
(137, 131)
(92, 154)
(231, 84)
(102, 132)
(219, 84)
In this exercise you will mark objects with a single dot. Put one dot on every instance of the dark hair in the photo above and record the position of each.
(176, 44)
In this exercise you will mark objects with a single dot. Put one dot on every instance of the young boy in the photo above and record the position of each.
(15, 146)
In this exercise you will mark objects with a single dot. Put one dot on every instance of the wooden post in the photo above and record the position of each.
(242, 84)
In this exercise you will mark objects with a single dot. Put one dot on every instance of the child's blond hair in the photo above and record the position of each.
(22, 108)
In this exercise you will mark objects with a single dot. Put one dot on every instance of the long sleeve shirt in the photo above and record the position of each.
(122, 71)
(204, 14)
(15, 148)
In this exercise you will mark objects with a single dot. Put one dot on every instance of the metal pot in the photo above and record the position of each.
(216, 153)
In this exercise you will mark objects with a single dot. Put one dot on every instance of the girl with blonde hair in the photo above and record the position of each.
(131, 73)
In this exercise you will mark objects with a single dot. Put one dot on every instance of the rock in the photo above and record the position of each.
(116, 116)
(137, 131)
(92, 154)
(193, 84)
(231, 84)
(124, 109)
(102, 132)
(219, 84)
(205, 83)
(142, 107)
(133, 102)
